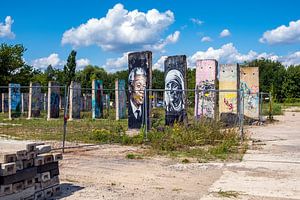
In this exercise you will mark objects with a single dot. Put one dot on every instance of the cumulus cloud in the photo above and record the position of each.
(121, 30)
(206, 39)
(42, 63)
(117, 64)
(283, 34)
(197, 21)
(159, 46)
(228, 54)
(160, 63)
(291, 59)
(225, 33)
(5, 28)
(81, 63)
(54, 60)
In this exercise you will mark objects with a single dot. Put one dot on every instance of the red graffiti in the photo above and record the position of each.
(229, 105)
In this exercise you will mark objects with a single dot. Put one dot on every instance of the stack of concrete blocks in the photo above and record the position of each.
(30, 173)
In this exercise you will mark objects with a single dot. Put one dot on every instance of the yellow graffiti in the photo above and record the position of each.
(230, 96)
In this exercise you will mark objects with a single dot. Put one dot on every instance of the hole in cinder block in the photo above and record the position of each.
(10, 168)
(19, 187)
(7, 189)
(29, 182)
(39, 195)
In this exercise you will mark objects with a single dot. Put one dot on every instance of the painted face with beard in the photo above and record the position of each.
(174, 96)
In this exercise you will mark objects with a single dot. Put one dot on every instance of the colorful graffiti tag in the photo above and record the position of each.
(228, 100)
(206, 79)
(14, 100)
(250, 86)
(97, 99)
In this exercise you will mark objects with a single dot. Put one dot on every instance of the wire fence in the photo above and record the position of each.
(74, 114)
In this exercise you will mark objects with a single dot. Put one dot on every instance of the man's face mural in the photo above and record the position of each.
(174, 95)
(139, 85)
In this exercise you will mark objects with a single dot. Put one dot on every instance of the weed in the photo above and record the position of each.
(228, 194)
(134, 156)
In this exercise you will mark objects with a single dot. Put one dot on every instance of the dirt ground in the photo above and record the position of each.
(270, 170)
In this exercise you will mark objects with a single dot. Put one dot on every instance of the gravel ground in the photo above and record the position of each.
(270, 170)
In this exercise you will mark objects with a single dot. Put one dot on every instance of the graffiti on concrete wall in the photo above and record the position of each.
(175, 84)
(228, 80)
(35, 99)
(120, 99)
(250, 86)
(75, 100)
(206, 76)
(97, 99)
(228, 100)
(53, 99)
(25, 103)
(15, 99)
(4, 102)
(139, 78)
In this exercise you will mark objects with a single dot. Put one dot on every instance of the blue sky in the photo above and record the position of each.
(251, 29)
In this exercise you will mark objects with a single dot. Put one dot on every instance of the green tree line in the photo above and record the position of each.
(282, 81)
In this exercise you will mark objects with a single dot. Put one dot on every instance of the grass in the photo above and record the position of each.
(228, 194)
(134, 156)
(202, 140)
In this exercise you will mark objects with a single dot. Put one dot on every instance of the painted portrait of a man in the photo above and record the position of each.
(137, 84)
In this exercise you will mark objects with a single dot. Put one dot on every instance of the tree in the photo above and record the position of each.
(70, 68)
(11, 62)
(271, 73)
(291, 85)
(158, 79)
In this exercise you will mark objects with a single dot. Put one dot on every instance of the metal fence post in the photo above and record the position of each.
(242, 117)
(197, 102)
(146, 113)
(65, 116)
(270, 106)
(260, 105)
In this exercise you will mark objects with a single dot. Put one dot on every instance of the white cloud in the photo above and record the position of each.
(228, 54)
(291, 59)
(5, 28)
(225, 33)
(117, 64)
(206, 39)
(121, 30)
(170, 39)
(197, 21)
(283, 34)
(42, 63)
(54, 60)
(81, 63)
(160, 63)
